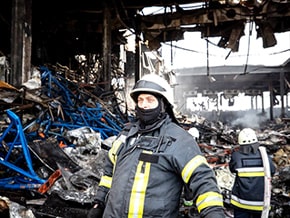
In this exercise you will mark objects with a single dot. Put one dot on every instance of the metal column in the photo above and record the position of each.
(271, 100)
(21, 40)
(107, 44)
(282, 92)
(137, 50)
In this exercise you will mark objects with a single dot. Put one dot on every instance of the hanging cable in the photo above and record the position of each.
(211, 78)
(248, 51)
(207, 58)
(249, 45)
(171, 53)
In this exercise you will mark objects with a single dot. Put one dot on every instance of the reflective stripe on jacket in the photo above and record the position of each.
(148, 172)
(248, 188)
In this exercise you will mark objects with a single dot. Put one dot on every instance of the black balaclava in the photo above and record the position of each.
(150, 116)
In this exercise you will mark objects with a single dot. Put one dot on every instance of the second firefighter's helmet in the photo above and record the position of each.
(247, 136)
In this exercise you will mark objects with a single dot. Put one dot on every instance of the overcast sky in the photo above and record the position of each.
(271, 56)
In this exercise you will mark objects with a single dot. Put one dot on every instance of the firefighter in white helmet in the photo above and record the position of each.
(194, 132)
(248, 190)
(151, 161)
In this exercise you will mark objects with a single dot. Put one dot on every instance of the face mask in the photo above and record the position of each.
(148, 116)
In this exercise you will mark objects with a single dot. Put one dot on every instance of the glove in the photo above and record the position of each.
(215, 214)
(97, 211)
(187, 203)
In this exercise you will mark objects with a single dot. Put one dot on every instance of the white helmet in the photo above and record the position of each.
(153, 83)
(247, 136)
(194, 132)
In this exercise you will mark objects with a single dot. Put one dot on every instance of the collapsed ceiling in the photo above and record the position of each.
(60, 31)
(224, 19)
(73, 27)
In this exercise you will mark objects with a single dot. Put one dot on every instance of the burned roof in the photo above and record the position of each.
(63, 29)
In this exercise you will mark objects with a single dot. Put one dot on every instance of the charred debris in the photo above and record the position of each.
(56, 130)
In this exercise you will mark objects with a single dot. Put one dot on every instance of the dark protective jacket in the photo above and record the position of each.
(145, 171)
(248, 188)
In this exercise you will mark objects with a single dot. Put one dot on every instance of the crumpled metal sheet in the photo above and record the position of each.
(35, 81)
(282, 156)
(225, 178)
(52, 155)
(84, 136)
(9, 209)
(8, 96)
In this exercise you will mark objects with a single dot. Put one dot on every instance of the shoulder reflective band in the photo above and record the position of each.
(138, 192)
(106, 181)
(209, 199)
(143, 84)
(113, 151)
(249, 205)
(191, 166)
(251, 172)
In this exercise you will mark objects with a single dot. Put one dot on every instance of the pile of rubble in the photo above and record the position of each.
(55, 134)
(219, 141)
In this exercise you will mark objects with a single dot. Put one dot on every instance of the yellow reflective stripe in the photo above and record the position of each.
(106, 181)
(191, 166)
(113, 151)
(138, 192)
(209, 199)
(251, 174)
(246, 206)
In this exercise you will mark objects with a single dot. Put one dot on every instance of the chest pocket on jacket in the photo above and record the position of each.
(148, 143)
(154, 144)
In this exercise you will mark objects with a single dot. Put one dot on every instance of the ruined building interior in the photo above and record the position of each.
(65, 71)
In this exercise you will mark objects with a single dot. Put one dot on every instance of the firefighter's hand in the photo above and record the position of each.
(216, 213)
(187, 203)
(96, 211)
